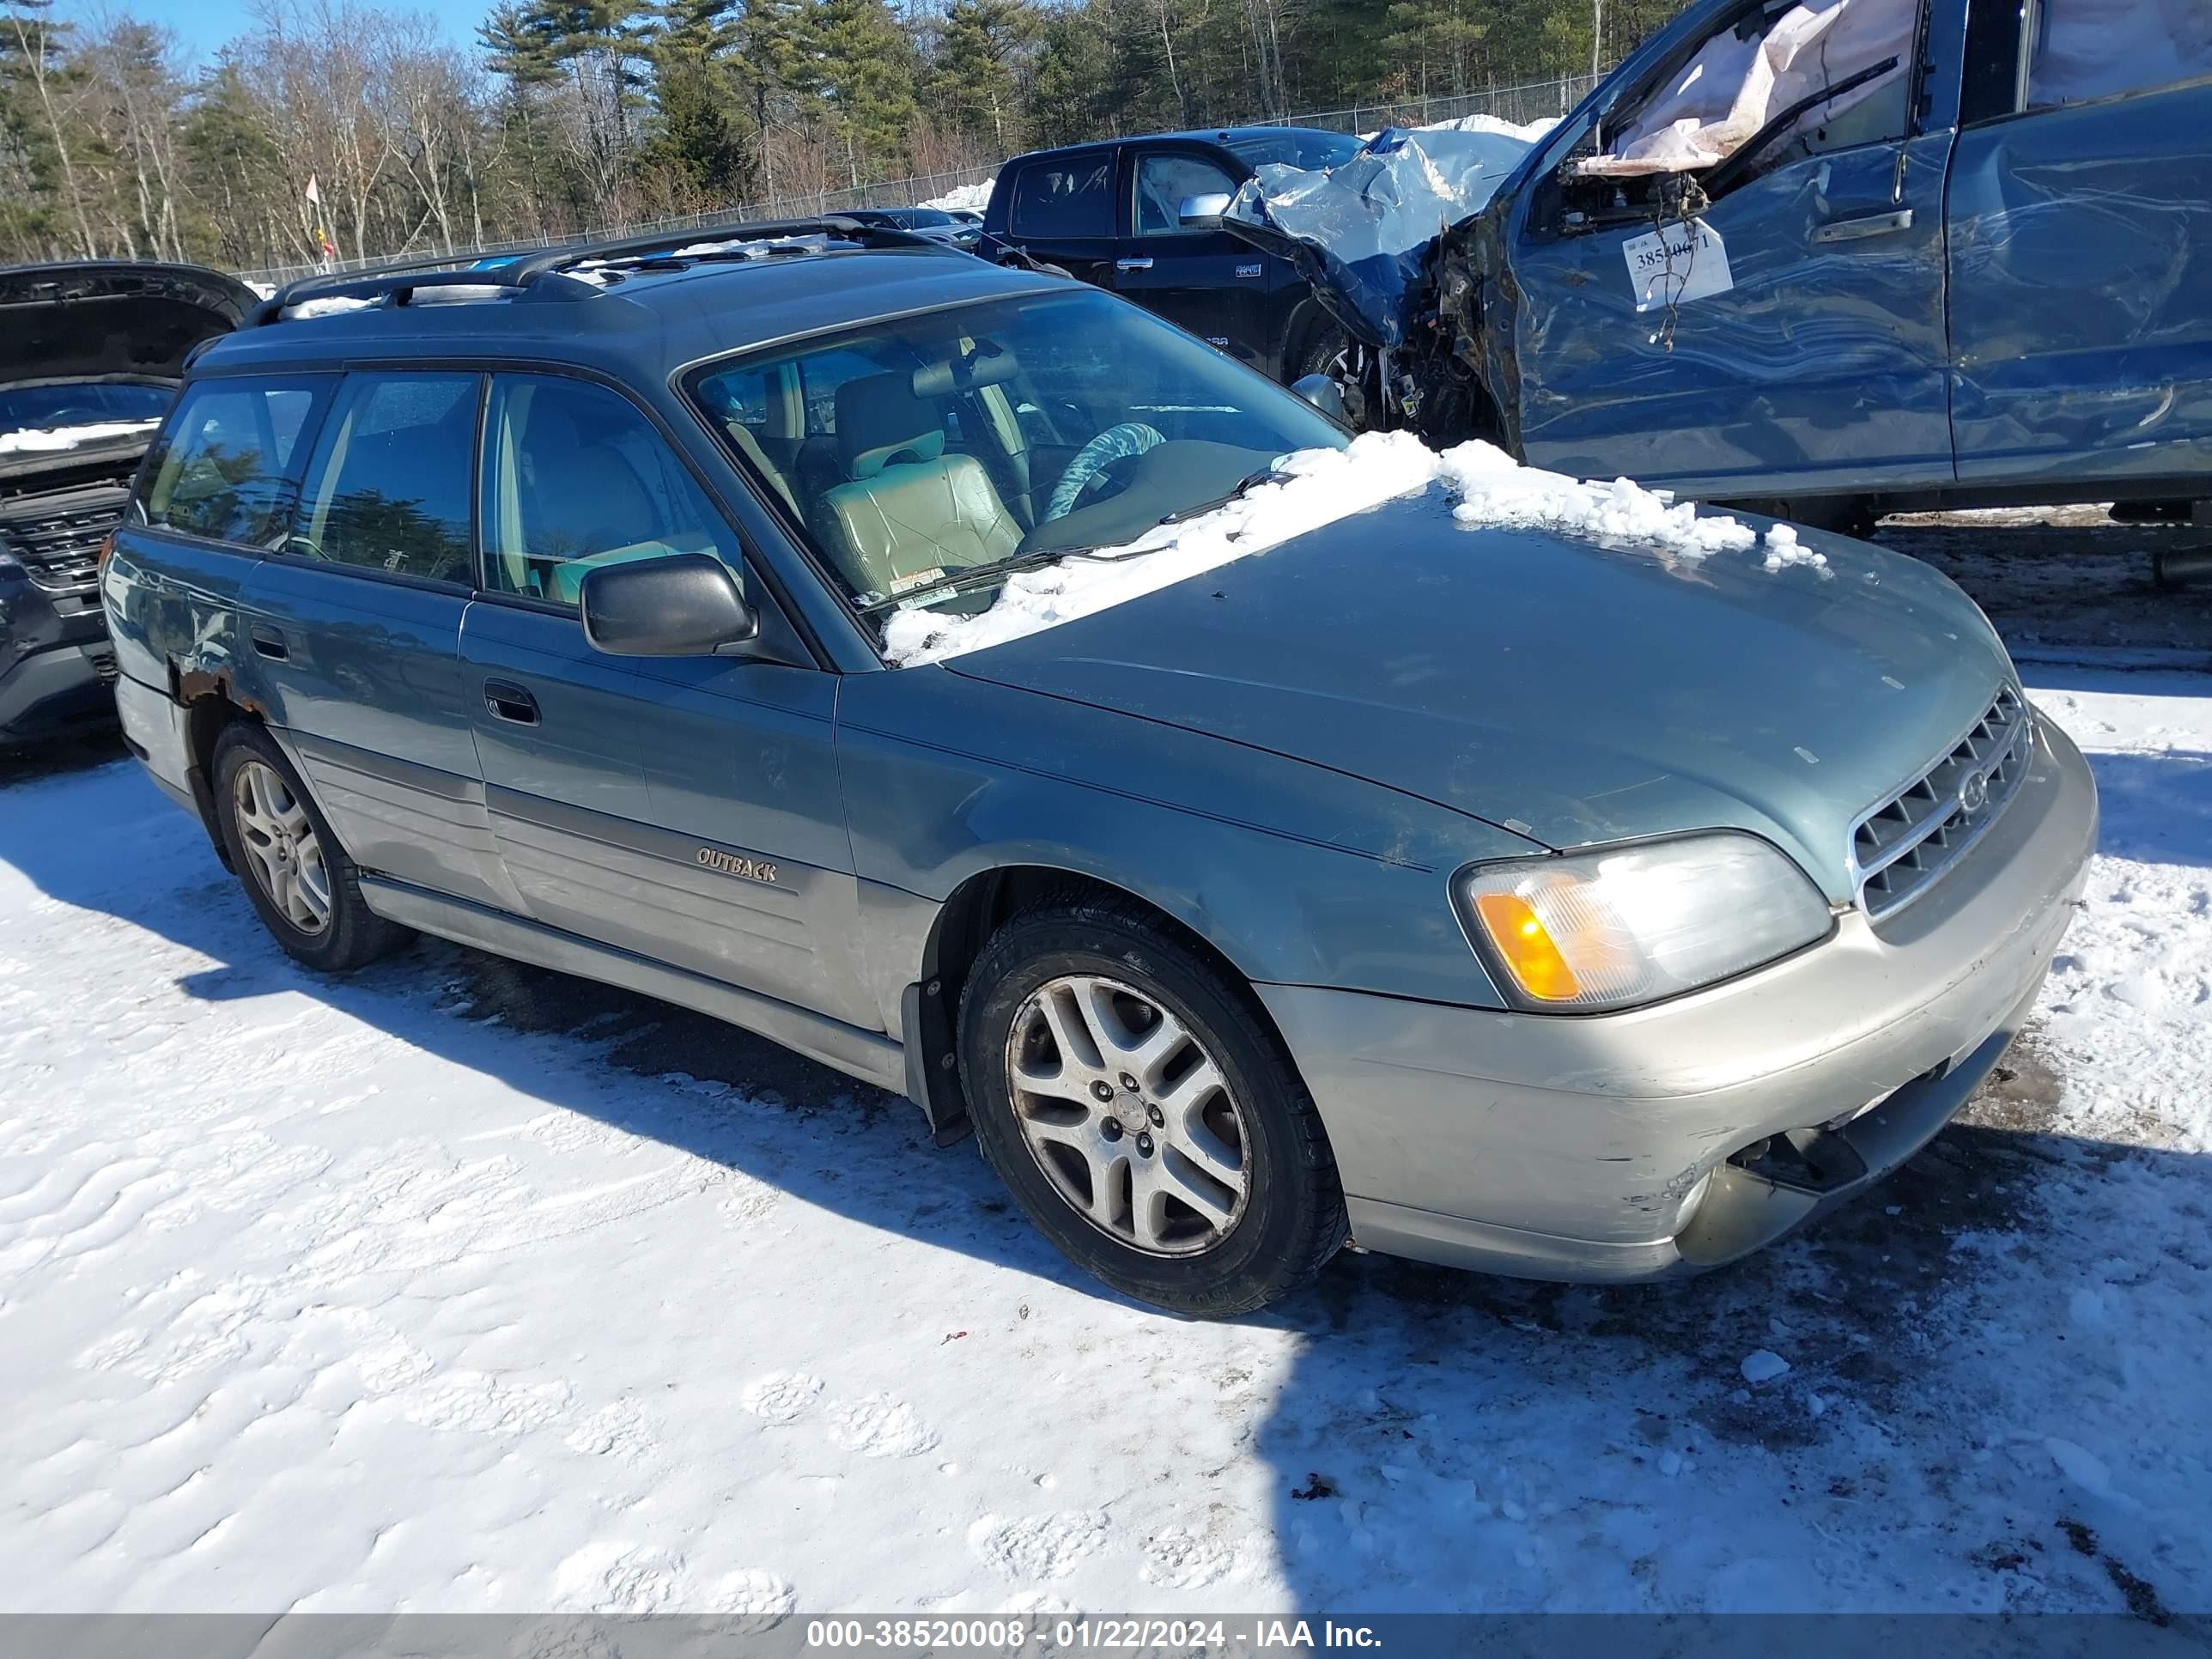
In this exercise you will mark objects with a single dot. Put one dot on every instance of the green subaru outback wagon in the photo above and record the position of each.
(1521, 898)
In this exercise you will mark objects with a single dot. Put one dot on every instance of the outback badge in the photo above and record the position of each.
(733, 864)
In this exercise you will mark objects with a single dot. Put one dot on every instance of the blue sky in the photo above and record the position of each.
(205, 25)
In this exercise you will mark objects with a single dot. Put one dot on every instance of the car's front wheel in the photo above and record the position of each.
(1133, 1097)
(302, 885)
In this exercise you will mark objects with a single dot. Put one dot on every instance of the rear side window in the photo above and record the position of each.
(390, 487)
(227, 464)
(2083, 50)
(576, 477)
(1064, 198)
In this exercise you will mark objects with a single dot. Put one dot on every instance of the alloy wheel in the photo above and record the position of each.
(281, 844)
(1129, 1115)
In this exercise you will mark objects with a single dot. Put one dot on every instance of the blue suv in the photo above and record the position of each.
(672, 615)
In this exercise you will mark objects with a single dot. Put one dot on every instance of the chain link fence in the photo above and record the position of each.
(1535, 101)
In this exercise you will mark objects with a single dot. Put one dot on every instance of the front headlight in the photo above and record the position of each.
(1613, 928)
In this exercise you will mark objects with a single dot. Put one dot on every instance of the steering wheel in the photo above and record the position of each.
(1117, 441)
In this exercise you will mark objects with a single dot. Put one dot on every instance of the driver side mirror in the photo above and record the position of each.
(1322, 393)
(684, 605)
(1203, 212)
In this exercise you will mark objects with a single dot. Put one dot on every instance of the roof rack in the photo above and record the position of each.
(398, 284)
(668, 244)
(545, 273)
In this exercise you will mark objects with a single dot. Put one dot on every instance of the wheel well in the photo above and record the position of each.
(206, 714)
(977, 909)
(1309, 322)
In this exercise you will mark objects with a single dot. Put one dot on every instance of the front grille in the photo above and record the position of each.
(1903, 847)
(57, 538)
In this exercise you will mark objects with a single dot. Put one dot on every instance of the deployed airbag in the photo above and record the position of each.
(1733, 87)
(1369, 222)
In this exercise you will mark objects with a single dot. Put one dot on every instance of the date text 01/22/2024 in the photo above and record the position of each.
(1166, 1634)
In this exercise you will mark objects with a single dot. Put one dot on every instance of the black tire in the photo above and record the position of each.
(353, 935)
(1292, 1218)
(1316, 353)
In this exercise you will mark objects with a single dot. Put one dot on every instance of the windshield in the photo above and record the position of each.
(80, 403)
(930, 455)
(1308, 151)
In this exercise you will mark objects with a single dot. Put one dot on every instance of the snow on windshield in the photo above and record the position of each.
(43, 440)
(1316, 487)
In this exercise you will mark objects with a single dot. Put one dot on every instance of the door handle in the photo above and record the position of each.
(1133, 264)
(512, 703)
(1858, 230)
(270, 641)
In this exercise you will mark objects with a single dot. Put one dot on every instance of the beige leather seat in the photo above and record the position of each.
(906, 510)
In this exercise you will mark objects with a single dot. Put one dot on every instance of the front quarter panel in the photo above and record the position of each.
(1296, 874)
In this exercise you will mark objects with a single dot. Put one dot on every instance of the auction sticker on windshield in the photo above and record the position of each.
(1678, 263)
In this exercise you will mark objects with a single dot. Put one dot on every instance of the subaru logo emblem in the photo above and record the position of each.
(1974, 793)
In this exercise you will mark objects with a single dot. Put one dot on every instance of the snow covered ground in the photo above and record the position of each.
(460, 1284)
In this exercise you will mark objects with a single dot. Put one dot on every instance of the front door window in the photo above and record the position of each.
(575, 477)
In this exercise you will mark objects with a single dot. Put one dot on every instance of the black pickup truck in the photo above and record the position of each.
(1142, 216)
(90, 355)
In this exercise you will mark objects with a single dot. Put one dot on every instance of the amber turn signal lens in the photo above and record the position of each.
(106, 552)
(1529, 954)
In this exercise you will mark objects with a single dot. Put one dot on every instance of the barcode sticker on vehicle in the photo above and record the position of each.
(1672, 267)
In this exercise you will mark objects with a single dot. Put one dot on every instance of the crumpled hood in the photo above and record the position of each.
(111, 316)
(1571, 692)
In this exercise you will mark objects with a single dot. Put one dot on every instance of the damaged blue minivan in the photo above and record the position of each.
(1831, 257)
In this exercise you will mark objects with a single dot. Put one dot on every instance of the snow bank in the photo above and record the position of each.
(42, 440)
(963, 198)
(1316, 487)
(1526, 131)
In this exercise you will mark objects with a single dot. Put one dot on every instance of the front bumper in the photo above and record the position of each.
(58, 689)
(1600, 1147)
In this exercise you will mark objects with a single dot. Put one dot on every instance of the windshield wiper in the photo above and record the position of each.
(1245, 485)
(953, 580)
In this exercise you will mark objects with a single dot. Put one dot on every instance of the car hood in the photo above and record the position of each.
(1570, 692)
(110, 318)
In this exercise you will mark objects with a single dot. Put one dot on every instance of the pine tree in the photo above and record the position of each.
(697, 144)
(37, 82)
(975, 82)
(866, 64)
(773, 63)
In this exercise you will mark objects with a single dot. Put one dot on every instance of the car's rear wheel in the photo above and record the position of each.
(1134, 1099)
(299, 880)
